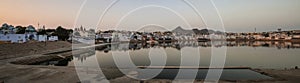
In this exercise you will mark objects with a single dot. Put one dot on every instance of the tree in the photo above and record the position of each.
(204, 32)
(196, 31)
(289, 33)
(265, 34)
(41, 32)
(62, 33)
(20, 30)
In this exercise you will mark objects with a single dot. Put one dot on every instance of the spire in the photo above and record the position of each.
(81, 28)
(44, 27)
(38, 25)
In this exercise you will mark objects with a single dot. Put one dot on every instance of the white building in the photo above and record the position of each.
(7, 29)
(13, 38)
(296, 34)
(8, 34)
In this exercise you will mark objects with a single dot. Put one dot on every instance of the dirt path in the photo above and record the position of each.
(13, 50)
(37, 74)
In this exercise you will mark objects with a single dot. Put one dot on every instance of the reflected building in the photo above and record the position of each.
(181, 44)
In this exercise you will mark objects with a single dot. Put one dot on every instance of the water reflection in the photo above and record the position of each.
(228, 74)
(57, 62)
(88, 52)
(182, 44)
(239, 53)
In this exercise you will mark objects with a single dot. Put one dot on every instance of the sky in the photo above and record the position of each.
(235, 15)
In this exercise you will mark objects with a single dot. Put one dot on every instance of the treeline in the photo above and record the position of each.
(62, 33)
(206, 32)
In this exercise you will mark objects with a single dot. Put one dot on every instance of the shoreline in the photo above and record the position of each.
(15, 73)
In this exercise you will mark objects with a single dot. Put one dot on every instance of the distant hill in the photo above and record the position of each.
(180, 30)
(152, 28)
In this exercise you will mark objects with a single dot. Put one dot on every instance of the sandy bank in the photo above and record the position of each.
(13, 50)
(283, 76)
(37, 74)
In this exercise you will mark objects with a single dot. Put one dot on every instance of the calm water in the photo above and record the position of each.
(269, 55)
(228, 74)
(275, 55)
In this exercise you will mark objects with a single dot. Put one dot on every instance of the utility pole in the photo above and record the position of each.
(44, 29)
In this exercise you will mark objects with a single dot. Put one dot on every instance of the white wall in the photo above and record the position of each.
(41, 38)
(53, 38)
(21, 38)
(13, 38)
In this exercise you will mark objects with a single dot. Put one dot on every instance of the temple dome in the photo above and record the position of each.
(5, 26)
(30, 28)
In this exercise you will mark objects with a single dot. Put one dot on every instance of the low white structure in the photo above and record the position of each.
(22, 38)
(41, 38)
(296, 34)
(13, 38)
(52, 38)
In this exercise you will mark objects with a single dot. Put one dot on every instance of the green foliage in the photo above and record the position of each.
(204, 32)
(42, 32)
(62, 33)
(20, 30)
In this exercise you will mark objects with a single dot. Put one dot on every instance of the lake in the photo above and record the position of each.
(259, 54)
(118, 59)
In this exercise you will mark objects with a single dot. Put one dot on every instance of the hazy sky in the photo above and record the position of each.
(237, 15)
